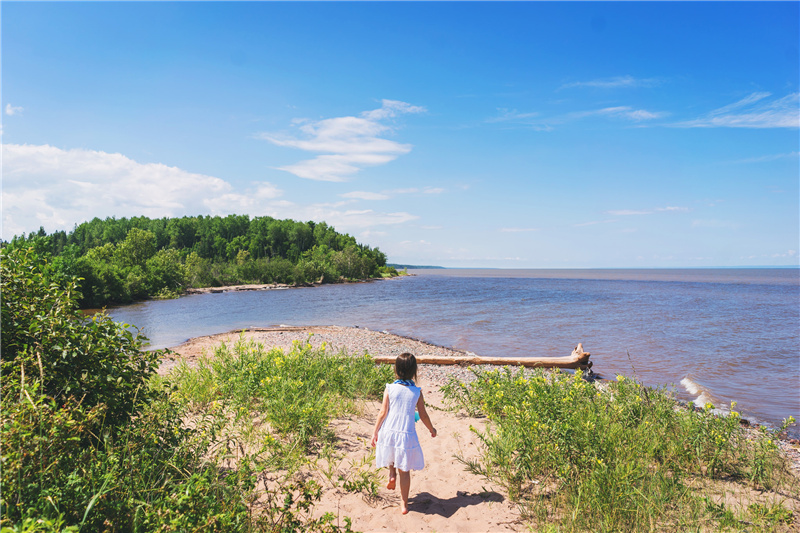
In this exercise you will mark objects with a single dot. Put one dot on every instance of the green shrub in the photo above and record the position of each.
(610, 458)
(61, 467)
(92, 440)
(298, 392)
(46, 339)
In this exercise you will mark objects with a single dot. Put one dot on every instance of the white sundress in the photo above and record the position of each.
(398, 443)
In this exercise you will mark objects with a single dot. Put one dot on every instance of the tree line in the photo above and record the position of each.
(127, 259)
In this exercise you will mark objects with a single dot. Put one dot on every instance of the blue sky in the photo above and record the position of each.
(515, 135)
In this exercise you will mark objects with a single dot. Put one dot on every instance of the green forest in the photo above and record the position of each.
(127, 259)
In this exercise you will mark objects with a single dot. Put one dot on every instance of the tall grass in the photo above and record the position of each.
(284, 399)
(199, 456)
(617, 457)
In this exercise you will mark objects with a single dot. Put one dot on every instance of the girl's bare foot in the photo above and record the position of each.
(404, 507)
(391, 484)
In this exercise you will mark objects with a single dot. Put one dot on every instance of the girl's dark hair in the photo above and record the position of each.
(405, 366)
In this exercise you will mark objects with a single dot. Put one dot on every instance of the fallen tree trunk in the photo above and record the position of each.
(578, 359)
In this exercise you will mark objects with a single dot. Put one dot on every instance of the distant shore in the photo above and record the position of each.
(273, 286)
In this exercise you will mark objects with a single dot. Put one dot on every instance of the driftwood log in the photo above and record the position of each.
(578, 359)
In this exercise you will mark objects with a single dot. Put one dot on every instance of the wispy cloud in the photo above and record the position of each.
(13, 110)
(757, 110)
(385, 195)
(364, 195)
(347, 144)
(55, 188)
(624, 112)
(788, 253)
(618, 82)
(545, 123)
(635, 212)
(511, 115)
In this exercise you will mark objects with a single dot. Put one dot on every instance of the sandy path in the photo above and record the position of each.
(445, 497)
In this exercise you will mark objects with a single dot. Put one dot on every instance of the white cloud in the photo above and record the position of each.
(13, 110)
(385, 195)
(364, 195)
(55, 188)
(788, 253)
(368, 234)
(626, 113)
(511, 115)
(617, 82)
(754, 111)
(347, 144)
(415, 243)
(623, 112)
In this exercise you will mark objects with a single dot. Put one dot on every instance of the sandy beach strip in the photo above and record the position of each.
(445, 496)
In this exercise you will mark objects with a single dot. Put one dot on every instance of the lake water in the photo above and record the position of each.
(717, 335)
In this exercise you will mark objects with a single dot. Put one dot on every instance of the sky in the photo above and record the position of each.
(485, 135)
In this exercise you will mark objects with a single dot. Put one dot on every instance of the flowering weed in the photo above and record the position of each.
(608, 457)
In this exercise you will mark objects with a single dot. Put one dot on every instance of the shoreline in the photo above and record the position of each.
(357, 340)
(277, 286)
(445, 495)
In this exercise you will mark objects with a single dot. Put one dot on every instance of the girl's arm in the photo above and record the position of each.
(423, 415)
(381, 417)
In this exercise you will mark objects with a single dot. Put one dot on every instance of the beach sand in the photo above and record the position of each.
(445, 497)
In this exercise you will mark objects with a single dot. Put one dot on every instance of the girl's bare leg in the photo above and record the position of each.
(405, 486)
(392, 478)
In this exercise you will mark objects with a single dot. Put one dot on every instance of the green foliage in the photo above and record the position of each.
(47, 340)
(293, 514)
(297, 393)
(122, 260)
(150, 477)
(93, 441)
(610, 458)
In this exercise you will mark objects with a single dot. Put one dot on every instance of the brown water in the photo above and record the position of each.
(717, 335)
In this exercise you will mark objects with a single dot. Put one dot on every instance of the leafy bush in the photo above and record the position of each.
(46, 339)
(609, 458)
(298, 393)
(61, 468)
(92, 440)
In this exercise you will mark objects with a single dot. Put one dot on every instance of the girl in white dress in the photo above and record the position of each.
(395, 437)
